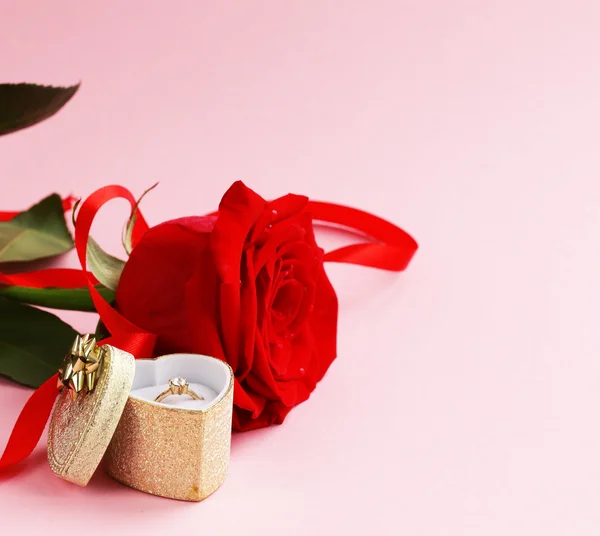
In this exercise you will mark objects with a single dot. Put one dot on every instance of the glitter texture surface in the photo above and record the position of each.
(176, 453)
(80, 430)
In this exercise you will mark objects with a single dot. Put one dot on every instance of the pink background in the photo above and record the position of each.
(465, 397)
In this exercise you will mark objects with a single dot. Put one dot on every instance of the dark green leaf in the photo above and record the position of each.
(70, 299)
(32, 342)
(36, 233)
(24, 105)
(101, 332)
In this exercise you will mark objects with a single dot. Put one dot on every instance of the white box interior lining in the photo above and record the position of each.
(208, 377)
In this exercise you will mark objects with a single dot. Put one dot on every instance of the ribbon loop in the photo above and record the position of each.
(124, 334)
(392, 250)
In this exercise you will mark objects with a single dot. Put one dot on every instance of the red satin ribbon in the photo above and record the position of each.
(387, 247)
(30, 424)
(50, 278)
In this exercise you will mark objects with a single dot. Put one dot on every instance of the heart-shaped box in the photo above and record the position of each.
(176, 448)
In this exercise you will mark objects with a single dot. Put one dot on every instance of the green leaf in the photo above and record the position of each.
(70, 299)
(106, 268)
(24, 105)
(33, 343)
(128, 231)
(36, 233)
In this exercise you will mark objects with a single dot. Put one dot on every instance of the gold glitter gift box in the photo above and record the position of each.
(177, 448)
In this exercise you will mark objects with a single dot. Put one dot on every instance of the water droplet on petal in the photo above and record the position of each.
(274, 212)
(302, 371)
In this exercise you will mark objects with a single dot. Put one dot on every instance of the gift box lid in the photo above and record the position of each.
(95, 383)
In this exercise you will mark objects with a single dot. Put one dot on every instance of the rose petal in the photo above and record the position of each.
(282, 233)
(277, 211)
(152, 288)
(294, 367)
(300, 251)
(201, 307)
(274, 413)
(286, 206)
(238, 211)
(286, 303)
(249, 316)
(247, 400)
(304, 276)
(323, 321)
(260, 379)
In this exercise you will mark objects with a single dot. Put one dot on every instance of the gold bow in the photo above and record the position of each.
(81, 367)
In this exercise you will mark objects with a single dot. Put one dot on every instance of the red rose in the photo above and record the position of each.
(247, 287)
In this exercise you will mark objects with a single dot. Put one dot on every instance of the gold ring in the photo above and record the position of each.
(178, 386)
